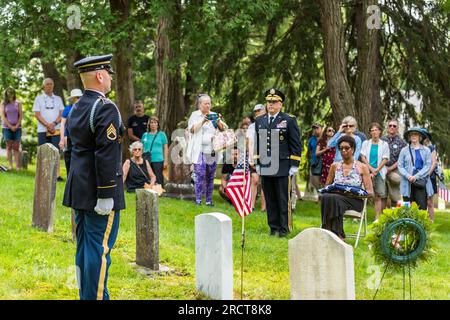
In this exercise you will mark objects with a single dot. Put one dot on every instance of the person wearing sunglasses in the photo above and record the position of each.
(94, 187)
(375, 154)
(348, 172)
(137, 171)
(347, 128)
(396, 144)
(327, 153)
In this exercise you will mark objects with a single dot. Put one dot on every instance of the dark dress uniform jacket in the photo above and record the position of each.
(289, 149)
(96, 169)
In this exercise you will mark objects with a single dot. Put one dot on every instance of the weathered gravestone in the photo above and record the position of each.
(179, 185)
(147, 229)
(214, 255)
(321, 266)
(45, 187)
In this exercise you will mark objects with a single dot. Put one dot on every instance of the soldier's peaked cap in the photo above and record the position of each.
(274, 94)
(94, 63)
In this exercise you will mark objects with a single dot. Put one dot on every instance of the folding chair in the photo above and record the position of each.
(362, 216)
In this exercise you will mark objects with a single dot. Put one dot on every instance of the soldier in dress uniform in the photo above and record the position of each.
(277, 155)
(94, 187)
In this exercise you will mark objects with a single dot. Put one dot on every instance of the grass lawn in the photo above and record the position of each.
(37, 265)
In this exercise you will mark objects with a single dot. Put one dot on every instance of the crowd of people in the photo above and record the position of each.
(390, 168)
(395, 165)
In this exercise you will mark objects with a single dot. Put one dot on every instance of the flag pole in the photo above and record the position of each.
(243, 221)
(242, 256)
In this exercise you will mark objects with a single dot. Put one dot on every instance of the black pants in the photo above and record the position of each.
(158, 168)
(276, 194)
(418, 196)
(67, 155)
(333, 207)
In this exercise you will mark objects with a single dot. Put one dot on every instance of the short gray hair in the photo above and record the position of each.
(202, 97)
(348, 119)
(47, 79)
(135, 145)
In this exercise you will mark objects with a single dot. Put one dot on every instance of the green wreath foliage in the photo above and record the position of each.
(389, 216)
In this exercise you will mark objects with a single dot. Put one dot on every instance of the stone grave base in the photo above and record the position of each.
(163, 270)
(179, 191)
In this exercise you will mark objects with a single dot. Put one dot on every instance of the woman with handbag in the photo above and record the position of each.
(137, 173)
(414, 165)
(156, 150)
(203, 125)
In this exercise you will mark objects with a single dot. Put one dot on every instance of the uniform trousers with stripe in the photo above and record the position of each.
(96, 235)
(276, 195)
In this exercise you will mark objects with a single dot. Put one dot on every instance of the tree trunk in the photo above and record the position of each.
(169, 95)
(335, 61)
(73, 79)
(367, 93)
(123, 62)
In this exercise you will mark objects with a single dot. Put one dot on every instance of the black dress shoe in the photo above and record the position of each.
(273, 233)
(282, 234)
(60, 179)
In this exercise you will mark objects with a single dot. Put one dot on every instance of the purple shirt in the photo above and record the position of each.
(12, 113)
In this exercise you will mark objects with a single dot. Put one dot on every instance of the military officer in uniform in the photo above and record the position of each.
(277, 155)
(94, 187)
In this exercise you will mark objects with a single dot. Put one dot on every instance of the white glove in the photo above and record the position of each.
(293, 171)
(104, 206)
(258, 169)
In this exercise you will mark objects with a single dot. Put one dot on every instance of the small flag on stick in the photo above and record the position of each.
(239, 188)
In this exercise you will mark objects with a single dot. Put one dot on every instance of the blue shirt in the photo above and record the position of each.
(418, 162)
(333, 143)
(65, 114)
(312, 145)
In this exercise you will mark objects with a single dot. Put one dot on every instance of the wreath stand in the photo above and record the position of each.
(402, 247)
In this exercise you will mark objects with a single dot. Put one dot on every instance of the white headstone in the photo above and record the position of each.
(214, 255)
(321, 266)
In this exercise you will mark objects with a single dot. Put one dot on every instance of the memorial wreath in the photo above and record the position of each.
(401, 236)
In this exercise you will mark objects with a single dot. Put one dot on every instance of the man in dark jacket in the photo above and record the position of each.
(94, 186)
(277, 154)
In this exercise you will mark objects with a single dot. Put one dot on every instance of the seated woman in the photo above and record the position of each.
(137, 171)
(349, 172)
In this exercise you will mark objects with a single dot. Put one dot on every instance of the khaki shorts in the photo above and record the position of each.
(379, 187)
(393, 189)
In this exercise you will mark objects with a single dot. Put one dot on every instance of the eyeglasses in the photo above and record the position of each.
(348, 126)
(137, 149)
(392, 126)
(344, 148)
(330, 130)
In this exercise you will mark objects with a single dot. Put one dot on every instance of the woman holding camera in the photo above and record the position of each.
(347, 128)
(202, 126)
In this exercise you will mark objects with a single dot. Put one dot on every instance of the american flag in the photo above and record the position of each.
(443, 192)
(239, 188)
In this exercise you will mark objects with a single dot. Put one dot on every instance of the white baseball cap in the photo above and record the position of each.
(75, 93)
(258, 107)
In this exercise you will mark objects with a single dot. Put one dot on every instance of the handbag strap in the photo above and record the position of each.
(140, 169)
(153, 141)
(412, 158)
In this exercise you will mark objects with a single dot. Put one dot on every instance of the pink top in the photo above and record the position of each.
(12, 113)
